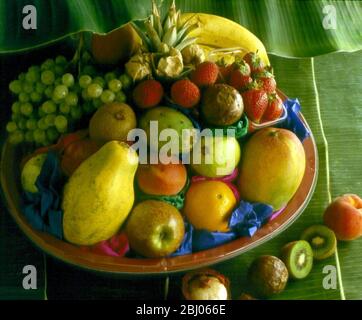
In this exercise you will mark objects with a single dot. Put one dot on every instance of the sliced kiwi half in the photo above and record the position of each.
(298, 258)
(322, 240)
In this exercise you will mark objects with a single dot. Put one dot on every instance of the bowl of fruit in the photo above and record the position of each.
(182, 154)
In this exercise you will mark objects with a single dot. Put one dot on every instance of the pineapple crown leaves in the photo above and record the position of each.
(158, 35)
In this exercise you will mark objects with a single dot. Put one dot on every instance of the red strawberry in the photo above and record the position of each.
(148, 94)
(240, 76)
(185, 93)
(205, 74)
(254, 61)
(255, 102)
(274, 109)
(268, 80)
(224, 73)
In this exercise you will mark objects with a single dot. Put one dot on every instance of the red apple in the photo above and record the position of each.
(344, 217)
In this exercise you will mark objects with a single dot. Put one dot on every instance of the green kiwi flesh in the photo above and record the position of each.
(298, 258)
(322, 240)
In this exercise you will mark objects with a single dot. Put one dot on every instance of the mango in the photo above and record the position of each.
(272, 167)
(99, 195)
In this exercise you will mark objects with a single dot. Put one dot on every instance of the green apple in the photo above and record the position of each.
(215, 156)
(157, 123)
(31, 171)
(155, 229)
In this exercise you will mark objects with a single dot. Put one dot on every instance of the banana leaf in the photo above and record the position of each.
(286, 27)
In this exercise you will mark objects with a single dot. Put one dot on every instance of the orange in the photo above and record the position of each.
(208, 205)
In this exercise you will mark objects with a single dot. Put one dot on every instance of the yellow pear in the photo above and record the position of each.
(99, 195)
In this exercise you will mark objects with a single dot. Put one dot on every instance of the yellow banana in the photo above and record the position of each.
(217, 32)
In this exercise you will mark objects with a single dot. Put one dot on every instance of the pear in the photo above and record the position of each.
(272, 167)
(99, 195)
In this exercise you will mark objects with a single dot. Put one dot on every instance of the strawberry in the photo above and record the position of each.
(254, 61)
(205, 74)
(185, 93)
(255, 101)
(240, 76)
(274, 109)
(268, 80)
(148, 94)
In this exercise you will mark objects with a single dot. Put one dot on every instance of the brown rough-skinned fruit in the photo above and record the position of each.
(116, 46)
(268, 276)
(222, 105)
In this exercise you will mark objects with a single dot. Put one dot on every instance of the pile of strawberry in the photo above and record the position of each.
(254, 81)
(257, 85)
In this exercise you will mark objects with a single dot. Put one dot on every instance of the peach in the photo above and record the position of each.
(161, 179)
(344, 217)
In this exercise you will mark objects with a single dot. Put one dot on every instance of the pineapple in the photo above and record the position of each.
(163, 41)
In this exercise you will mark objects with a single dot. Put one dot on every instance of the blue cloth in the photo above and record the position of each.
(43, 209)
(293, 122)
(245, 220)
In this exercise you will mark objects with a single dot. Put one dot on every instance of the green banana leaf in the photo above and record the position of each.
(286, 27)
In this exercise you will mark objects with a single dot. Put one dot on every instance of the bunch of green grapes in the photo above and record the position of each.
(49, 99)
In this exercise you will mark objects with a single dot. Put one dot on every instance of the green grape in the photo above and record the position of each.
(15, 107)
(16, 117)
(49, 107)
(97, 103)
(49, 92)
(94, 90)
(58, 70)
(47, 77)
(108, 96)
(88, 107)
(40, 87)
(28, 87)
(85, 95)
(21, 123)
(33, 75)
(11, 127)
(16, 137)
(34, 69)
(100, 81)
(115, 85)
(41, 113)
(31, 124)
(39, 136)
(60, 92)
(21, 76)
(61, 123)
(15, 86)
(68, 80)
(76, 113)
(35, 97)
(47, 64)
(86, 57)
(24, 97)
(110, 76)
(121, 97)
(26, 109)
(64, 108)
(29, 136)
(52, 134)
(49, 119)
(57, 82)
(89, 70)
(61, 60)
(126, 81)
(71, 99)
(42, 125)
(84, 81)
